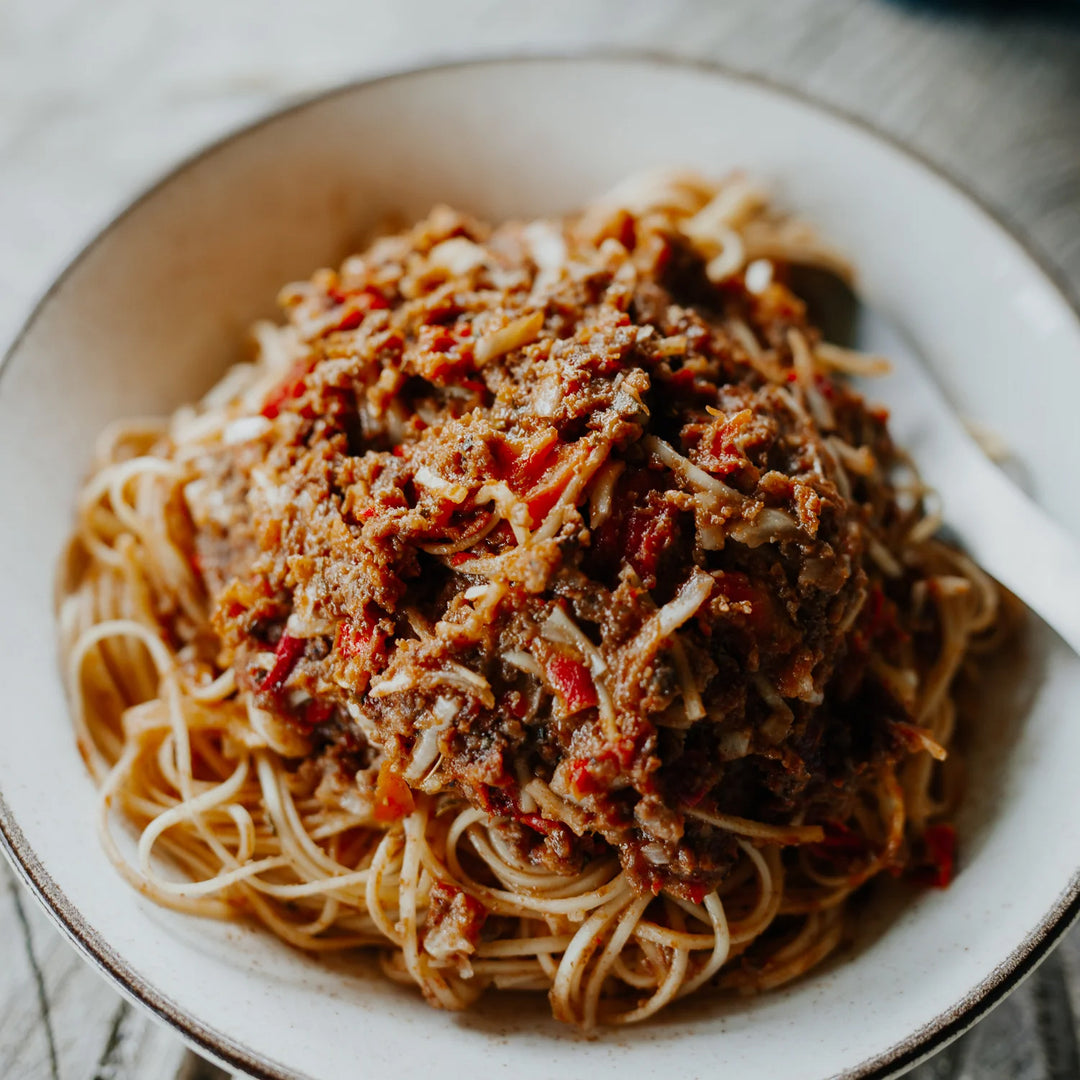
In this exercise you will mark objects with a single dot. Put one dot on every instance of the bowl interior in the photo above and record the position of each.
(152, 313)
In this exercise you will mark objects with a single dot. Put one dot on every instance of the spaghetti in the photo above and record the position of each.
(540, 609)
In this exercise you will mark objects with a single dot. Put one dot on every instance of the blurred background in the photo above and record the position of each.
(97, 99)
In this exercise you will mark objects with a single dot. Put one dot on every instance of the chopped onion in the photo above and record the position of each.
(455, 493)
(523, 661)
(697, 478)
(457, 255)
(769, 525)
(514, 335)
(245, 429)
(691, 595)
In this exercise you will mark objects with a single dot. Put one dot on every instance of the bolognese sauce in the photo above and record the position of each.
(569, 542)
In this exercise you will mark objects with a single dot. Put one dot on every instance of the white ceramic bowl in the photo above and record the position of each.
(151, 312)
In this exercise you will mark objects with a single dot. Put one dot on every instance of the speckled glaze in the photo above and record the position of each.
(148, 315)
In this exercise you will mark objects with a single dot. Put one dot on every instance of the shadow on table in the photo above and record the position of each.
(1063, 11)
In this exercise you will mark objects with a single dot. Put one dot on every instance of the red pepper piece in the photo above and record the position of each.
(939, 863)
(646, 537)
(288, 651)
(572, 682)
(361, 641)
(352, 640)
(539, 476)
(726, 456)
(542, 824)
(540, 507)
(841, 844)
(393, 797)
(316, 712)
(696, 892)
(291, 386)
(356, 306)
(435, 338)
(525, 471)
(841, 838)
(583, 779)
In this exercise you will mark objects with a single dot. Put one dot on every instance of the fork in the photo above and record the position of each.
(1001, 528)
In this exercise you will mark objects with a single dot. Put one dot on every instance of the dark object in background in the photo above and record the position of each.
(1068, 8)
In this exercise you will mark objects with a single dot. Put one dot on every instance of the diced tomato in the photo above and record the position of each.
(444, 515)
(583, 772)
(696, 892)
(435, 338)
(841, 842)
(938, 865)
(540, 507)
(357, 639)
(683, 379)
(523, 471)
(352, 318)
(316, 712)
(460, 557)
(351, 640)
(647, 534)
(572, 682)
(551, 469)
(726, 456)
(582, 781)
(447, 351)
(642, 525)
(393, 797)
(291, 386)
(288, 652)
(540, 475)
(356, 306)
(542, 824)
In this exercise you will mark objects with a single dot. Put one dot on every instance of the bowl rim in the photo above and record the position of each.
(919, 1045)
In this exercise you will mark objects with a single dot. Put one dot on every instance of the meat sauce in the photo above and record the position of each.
(482, 486)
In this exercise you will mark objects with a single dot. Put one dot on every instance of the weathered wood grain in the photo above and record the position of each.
(97, 98)
(59, 1020)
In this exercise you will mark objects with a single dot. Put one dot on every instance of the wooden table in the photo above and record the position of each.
(96, 99)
